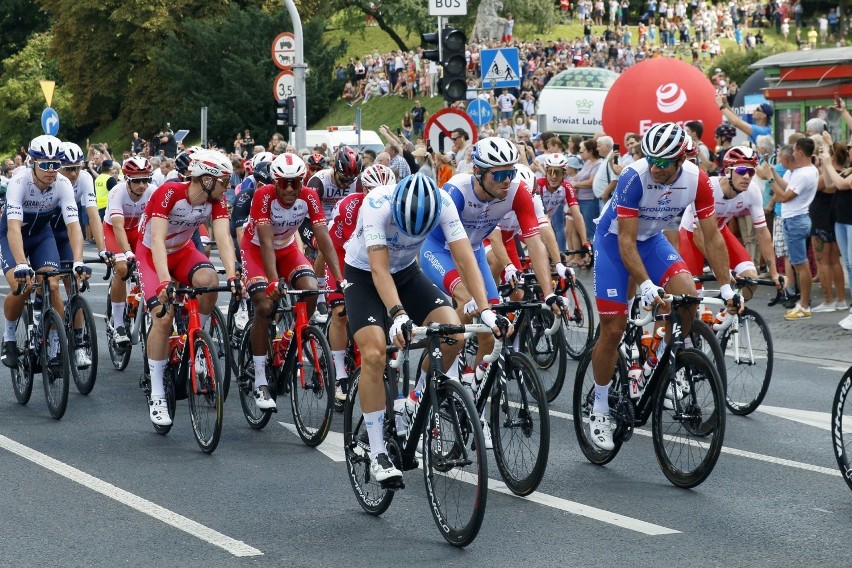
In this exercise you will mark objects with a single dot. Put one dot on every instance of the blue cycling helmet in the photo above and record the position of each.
(45, 147)
(71, 154)
(416, 205)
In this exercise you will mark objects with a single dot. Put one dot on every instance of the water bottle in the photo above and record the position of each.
(280, 345)
(706, 315)
(636, 380)
(650, 365)
(720, 317)
(658, 336)
(176, 344)
(479, 375)
(133, 301)
(399, 412)
(646, 342)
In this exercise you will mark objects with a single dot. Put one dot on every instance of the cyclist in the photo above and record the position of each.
(242, 204)
(344, 221)
(125, 207)
(316, 162)
(556, 190)
(385, 280)
(629, 243)
(25, 235)
(270, 250)
(166, 253)
(738, 191)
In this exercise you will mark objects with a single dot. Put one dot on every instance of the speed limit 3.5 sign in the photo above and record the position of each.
(284, 86)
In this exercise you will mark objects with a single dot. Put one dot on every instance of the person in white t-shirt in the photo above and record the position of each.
(506, 104)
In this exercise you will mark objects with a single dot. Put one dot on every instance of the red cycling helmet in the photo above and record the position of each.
(317, 161)
(740, 155)
(137, 166)
(347, 163)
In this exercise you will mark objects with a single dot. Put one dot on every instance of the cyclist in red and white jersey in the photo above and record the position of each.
(335, 183)
(125, 206)
(556, 190)
(270, 250)
(733, 194)
(166, 253)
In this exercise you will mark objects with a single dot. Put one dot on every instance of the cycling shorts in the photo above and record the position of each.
(183, 264)
(112, 243)
(63, 245)
(364, 306)
(438, 265)
(740, 261)
(289, 263)
(659, 257)
(40, 248)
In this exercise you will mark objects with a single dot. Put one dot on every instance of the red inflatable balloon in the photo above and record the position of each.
(660, 90)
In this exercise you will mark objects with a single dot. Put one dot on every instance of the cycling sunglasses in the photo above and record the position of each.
(555, 172)
(743, 170)
(661, 163)
(283, 183)
(504, 175)
(139, 180)
(50, 165)
(70, 169)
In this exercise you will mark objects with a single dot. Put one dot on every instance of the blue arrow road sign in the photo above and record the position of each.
(480, 111)
(500, 68)
(50, 121)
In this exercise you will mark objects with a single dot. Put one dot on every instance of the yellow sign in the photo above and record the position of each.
(47, 89)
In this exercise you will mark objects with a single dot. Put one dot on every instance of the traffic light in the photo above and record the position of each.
(453, 85)
(286, 112)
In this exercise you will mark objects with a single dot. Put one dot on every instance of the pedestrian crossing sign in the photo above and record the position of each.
(500, 68)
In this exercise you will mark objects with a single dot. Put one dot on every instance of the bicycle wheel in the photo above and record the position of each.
(256, 418)
(584, 401)
(705, 341)
(217, 328)
(688, 438)
(370, 494)
(580, 326)
(520, 425)
(312, 392)
(547, 352)
(455, 465)
(55, 363)
(118, 356)
(85, 340)
(205, 400)
(239, 316)
(841, 427)
(22, 375)
(749, 368)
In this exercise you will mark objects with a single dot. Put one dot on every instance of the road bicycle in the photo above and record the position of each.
(455, 465)
(683, 397)
(841, 427)
(299, 363)
(43, 347)
(194, 372)
(136, 317)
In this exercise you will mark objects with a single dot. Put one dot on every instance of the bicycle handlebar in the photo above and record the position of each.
(450, 329)
(191, 292)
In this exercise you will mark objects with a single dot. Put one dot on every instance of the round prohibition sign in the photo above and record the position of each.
(284, 50)
(284, 86)
(440, 126)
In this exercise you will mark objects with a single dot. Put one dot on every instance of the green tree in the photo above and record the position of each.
(19, 19)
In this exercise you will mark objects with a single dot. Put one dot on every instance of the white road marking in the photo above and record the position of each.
(192, 528)
(332, 446)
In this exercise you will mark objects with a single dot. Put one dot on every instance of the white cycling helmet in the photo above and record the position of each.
(556, 160)
(666, 140)
(494, 152)
(209, 163)
(262, 157)
(288, 166)
(376, 175)
(45, 147)
(71, 153)
(526, 175)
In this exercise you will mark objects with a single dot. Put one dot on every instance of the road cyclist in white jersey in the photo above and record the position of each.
(629, 243)
(386, 285)
(125, 207)
(556, 190)
(26, 237)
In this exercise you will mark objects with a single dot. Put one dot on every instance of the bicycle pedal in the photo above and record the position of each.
(393, 484)
(409, 463)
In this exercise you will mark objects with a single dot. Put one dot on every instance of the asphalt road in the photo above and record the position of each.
(101, 488)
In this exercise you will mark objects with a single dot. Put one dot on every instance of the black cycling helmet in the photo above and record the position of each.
(262, 175)
(347, 162)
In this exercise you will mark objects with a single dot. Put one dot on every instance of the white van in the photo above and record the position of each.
(334, 136)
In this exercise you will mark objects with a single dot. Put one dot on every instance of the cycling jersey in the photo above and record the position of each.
(84, 196)
(344, 220)
(248, 184)
(376, 227)
(170, 202)
(551, 200)
(510, 224)
(27, 203)
(637, 195)
(267, 209)
(750, 200)
(241, 210)
(329, 192)
(479, 218)
(121, 204)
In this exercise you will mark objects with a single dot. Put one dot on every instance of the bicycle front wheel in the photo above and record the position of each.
(204, 390)
(841, 427)
(547, 352)
(55, 363)
(312, 392)
(689, 420)
(705, 341)
(455, 465)
(118, 356)
(218, 329)
(581, 320)
(22, 375)
(83, 343)
(749, 364)
(256, 418)
(520, 425)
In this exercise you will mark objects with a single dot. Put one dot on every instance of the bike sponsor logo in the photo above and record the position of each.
(167, 197)
(433, 260)
(838, 414)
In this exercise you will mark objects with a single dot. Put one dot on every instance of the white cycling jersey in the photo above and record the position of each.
(120, 204)
(27, 203)
(328, 191)
(511, 224)
(750, 200)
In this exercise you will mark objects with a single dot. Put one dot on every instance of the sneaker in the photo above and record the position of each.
(841, 306)
(82, 359)
(10, 354)
(824, 308)
(676, 391)
(798, 313)
(382, 469)
(159, 412)
(339, 393)
(486, 433)
(846, 323)
(262, 398)
(792, 300)
(119, 336)
(600, 426)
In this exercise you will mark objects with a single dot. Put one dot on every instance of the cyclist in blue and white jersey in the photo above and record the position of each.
(629, 243)
(386, 285)
(26, 238)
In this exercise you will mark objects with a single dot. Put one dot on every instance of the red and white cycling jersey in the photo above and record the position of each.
(750, 200)
(170, 202)
(267, 209)
(329, 193)
(510, 224)
(120, 204)
(344, 219)
(565, 193)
